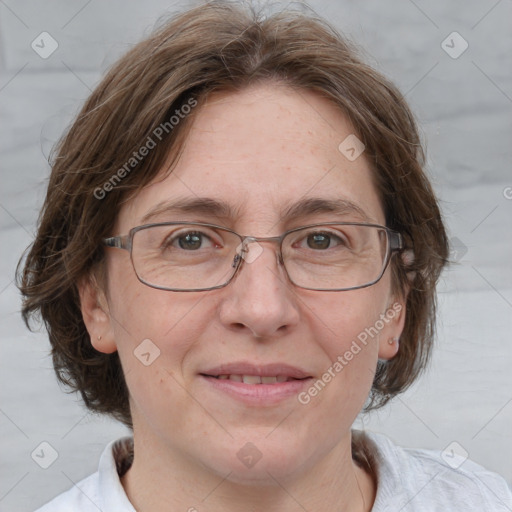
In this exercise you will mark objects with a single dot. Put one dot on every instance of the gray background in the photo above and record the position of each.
(464, 106)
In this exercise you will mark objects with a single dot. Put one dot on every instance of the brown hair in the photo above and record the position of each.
(218, 46)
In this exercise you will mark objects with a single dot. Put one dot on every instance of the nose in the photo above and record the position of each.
(260, 299)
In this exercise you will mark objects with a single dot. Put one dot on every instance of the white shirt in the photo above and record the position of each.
(408, 481)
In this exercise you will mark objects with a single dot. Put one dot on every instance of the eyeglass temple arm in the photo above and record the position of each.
(396, 242)
(120, 242)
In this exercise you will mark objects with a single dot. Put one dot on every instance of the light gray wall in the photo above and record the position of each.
(464, 106)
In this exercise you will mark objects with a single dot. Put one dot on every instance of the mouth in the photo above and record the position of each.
(256, 385)
(254, 379)
(250, 373)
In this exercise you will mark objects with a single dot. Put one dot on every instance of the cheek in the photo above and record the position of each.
(345, 318)
(337, 396)
(165, 324)
(157, 334)
(347, 328)
(173, 324)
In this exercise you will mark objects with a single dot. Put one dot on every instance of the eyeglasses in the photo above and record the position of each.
(186, 256)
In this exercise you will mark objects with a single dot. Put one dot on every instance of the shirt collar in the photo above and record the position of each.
(114, 462)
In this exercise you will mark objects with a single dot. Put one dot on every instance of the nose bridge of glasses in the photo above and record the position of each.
(255, 239)
(250, 255)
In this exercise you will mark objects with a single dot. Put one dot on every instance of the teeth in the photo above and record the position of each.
(255, 379)
(251, 379)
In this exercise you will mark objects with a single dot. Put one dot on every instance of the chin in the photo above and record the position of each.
(260, 461)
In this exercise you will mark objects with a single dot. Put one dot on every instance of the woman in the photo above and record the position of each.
(237, 253)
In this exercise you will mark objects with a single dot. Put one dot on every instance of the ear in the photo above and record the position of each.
(95, 313)
(394, 316)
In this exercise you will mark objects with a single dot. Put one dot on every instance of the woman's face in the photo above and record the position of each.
(260, 152)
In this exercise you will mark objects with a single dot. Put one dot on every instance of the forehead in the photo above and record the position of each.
(259, 152)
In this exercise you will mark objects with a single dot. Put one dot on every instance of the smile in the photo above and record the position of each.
(254, 379)
(255, 394)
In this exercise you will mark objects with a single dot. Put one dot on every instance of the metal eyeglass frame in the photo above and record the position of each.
(394, 239)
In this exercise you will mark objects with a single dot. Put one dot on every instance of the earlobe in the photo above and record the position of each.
(389, 342)
(96, 316)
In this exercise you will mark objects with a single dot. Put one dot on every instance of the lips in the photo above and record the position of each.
(255, 379)
(265, 385)
(256, 374)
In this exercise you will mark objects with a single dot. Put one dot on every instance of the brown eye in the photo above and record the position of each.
(322, 241)
(190, 241)
(318, 241)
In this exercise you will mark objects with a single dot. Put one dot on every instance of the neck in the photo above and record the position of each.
(160, 480)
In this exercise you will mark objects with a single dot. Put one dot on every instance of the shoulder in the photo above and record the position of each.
(102, 490)
(429, 480)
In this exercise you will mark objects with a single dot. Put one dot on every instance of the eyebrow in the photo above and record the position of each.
(222, 210)
(316, 205)
(198, 205)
